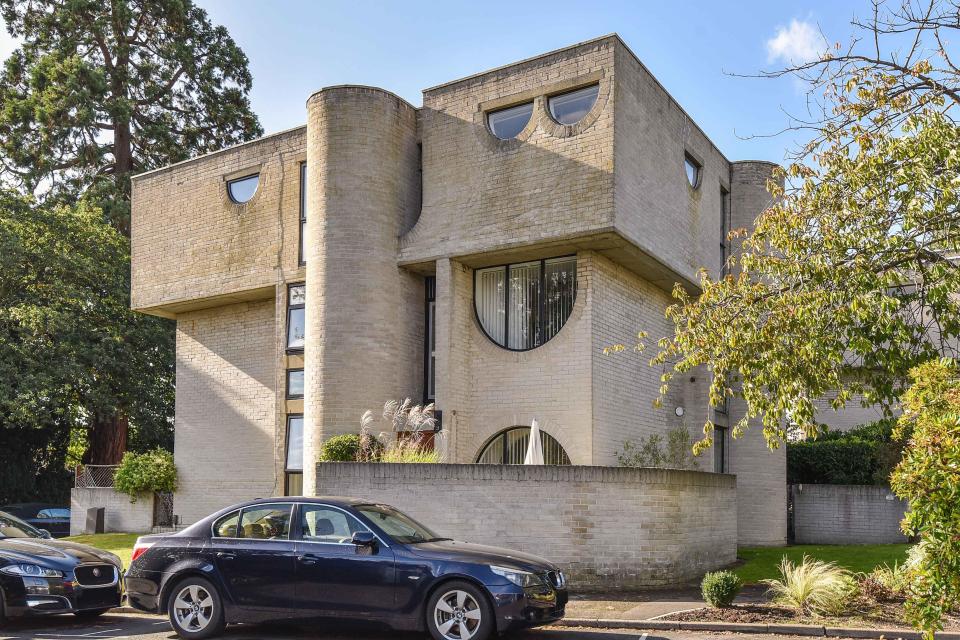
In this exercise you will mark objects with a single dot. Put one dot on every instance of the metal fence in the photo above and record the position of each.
(94, 476)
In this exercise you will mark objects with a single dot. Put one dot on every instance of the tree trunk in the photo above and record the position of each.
(108, 439)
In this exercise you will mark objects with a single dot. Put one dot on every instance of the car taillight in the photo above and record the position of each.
(139, 548)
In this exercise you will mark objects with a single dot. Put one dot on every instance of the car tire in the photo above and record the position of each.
(90, 613)
(459, 610)
(195, 609)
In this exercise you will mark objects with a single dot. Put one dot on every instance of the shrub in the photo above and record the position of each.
(813, 587)
(402, 451)
(865, 455)
(342, 448)
(145, 472)
(927, 477)
(649, 452)
(720, 588)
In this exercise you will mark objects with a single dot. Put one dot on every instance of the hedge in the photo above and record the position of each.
(865, 455)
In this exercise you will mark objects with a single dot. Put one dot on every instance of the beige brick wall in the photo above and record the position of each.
(226, 442)
(190, 243)
(634, 528)
(656, 208)
(624, 385)
(364, 314)
(484, 388)
(482, 193)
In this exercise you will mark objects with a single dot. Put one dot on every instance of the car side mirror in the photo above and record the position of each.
(364, 539)
(45, 534)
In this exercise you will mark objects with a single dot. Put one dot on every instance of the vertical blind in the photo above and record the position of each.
(510, 447)
(521, 306)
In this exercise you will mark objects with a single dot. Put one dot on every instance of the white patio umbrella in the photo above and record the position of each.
(534, 446)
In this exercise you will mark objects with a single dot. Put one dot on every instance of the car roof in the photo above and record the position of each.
(339, 501)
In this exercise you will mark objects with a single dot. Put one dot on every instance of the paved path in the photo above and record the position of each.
(650, 605)
(117, 626)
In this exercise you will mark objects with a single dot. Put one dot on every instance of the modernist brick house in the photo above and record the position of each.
(477, 252)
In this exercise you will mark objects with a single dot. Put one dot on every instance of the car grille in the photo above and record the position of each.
(555, 579)
(95, 575)
(99, 599)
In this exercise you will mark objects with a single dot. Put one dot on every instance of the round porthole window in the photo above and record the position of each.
(243, 189)
(571, 107)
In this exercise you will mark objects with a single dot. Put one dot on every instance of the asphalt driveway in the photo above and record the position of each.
(126, 625)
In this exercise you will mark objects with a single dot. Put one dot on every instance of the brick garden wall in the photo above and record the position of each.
(846, 514)
(629, 528)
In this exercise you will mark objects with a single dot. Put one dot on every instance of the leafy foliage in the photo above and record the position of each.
(139, 473)
(650, 453)
(70, 346)
(864, 455)
(813, 587)
(101, 90)
(341, 448)
(929, 478)
(410, 451)
(720, 588)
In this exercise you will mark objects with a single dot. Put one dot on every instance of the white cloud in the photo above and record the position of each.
(799, 43)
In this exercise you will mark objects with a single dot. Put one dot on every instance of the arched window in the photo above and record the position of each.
(243, 189)
(510, 447)
(508, 123)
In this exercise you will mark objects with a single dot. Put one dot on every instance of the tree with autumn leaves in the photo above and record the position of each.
(848, 287)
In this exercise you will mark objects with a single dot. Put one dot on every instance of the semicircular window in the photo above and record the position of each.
(521, 306)
(510, 447)
(570, 108)
(508, 123)
(242, 189)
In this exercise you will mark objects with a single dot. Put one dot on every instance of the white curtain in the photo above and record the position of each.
(524, 305)
(490, 302)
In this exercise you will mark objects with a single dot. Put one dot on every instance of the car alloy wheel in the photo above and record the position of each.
(193, 608)
(457, 615)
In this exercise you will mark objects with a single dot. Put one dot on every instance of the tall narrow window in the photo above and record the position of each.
(720, 449)
(303, 210)
(724, 228)
(296, 324)
(430, 346)
(522, 306)
(294, 460)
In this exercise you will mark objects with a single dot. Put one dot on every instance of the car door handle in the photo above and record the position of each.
(308, 558)
(225, 556)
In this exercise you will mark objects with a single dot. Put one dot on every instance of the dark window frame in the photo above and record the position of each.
(550, 97)
(430, 336)
(288, 394)
(508, 108)
(724, 228)
(255, 174)
(720, 449)
(294, 307)
(506, 299)
(503, 435)
(301, 260)
(689, 157)
(287, 472)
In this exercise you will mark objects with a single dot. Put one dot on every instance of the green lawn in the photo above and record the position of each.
(118, 543)
(761, 562)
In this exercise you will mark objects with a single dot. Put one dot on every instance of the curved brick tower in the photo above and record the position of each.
(364, 315)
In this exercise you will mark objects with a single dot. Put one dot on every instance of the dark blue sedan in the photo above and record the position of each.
(337, 558)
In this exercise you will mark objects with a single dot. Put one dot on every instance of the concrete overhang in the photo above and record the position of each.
(175, 307)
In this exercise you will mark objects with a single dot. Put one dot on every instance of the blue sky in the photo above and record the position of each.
(298, 46)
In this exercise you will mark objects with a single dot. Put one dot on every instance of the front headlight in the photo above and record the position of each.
(517, 577)
(30, 571)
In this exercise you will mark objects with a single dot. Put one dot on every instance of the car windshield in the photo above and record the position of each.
(397, 525)
(11, 527)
